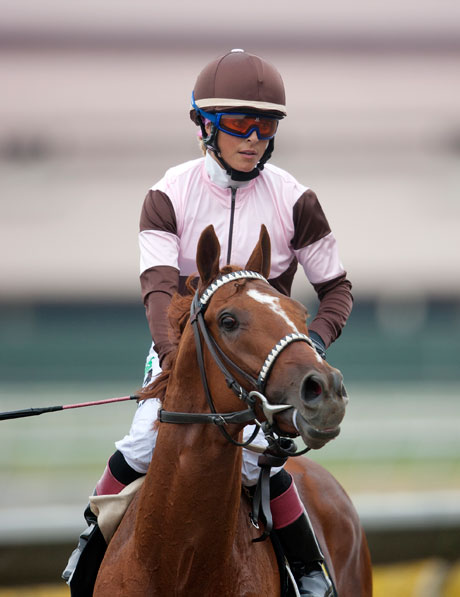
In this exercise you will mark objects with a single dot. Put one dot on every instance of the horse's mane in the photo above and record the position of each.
(178, 316)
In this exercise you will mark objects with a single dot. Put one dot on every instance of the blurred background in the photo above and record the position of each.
(94, 108)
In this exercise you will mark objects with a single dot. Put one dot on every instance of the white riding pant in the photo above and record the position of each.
(137, 447)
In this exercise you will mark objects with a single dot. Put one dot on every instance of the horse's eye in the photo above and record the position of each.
(228, 322)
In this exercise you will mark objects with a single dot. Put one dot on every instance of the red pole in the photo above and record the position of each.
(97, 402)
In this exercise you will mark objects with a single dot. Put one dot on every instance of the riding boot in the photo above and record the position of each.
(83, 565)
(305, 558)
(294, 531)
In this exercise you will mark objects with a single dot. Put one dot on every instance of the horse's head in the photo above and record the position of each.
(262, 336)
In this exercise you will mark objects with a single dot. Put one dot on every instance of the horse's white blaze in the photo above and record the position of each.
(274, 304)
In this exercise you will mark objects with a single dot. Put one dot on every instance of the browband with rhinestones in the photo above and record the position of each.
(239, 275)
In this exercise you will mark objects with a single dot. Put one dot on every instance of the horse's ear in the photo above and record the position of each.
(261, 255)
(207, 255)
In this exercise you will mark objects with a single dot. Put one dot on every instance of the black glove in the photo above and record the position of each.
(318, 344)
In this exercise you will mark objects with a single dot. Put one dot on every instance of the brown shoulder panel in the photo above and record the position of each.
(158, 213)
(310, 223)
(283, 283)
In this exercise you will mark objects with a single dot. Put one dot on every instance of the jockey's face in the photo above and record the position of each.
(240, 153)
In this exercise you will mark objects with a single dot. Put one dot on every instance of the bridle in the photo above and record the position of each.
(200, 329)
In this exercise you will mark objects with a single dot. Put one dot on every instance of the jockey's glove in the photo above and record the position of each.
(318, 344)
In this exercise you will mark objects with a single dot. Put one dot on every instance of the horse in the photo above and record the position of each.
(188, 531)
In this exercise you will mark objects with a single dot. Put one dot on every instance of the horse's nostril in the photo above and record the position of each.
(311, 388)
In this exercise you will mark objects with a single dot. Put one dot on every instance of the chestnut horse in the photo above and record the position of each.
(188, 530)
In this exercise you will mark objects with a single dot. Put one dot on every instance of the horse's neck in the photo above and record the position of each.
(191, 495)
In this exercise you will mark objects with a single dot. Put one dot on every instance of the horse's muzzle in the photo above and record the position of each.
(323, 402)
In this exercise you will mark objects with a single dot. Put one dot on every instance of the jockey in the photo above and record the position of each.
(238, 102)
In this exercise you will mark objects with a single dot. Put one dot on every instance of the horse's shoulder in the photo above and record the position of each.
(311, 469)
(317, 484)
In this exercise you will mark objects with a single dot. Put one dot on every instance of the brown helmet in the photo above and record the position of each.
(239, 81)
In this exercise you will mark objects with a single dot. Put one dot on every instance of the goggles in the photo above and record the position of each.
(240, 124)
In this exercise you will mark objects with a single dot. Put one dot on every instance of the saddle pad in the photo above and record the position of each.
(110, 509)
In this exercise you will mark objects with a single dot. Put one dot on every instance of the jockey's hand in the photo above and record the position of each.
(318, 344)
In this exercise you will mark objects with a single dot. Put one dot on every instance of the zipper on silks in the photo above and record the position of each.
(232, 217)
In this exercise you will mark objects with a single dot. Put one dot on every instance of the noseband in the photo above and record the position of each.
(197, 311)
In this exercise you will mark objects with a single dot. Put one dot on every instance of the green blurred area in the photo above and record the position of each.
(384, 341)
(82, 343)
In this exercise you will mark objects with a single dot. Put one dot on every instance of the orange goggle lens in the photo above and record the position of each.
(242, 125)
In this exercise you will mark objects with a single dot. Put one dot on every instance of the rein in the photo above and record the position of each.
(197, 311)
